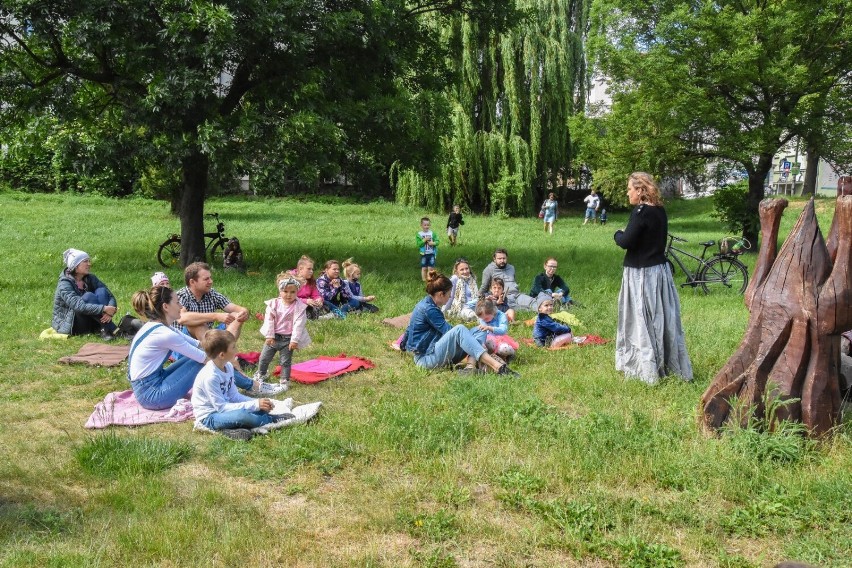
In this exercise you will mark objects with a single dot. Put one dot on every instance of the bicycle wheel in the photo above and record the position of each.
(671, 266)
(169, 253)
(724, 274)
(217, 253)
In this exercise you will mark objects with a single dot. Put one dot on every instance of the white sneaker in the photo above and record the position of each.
(327, 316)
(258, 377)
(268, 389)
(300, 415)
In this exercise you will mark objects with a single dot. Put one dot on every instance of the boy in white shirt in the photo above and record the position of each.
(216, 403)
(593, 203)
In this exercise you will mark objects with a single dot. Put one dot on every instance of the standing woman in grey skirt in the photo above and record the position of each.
(650, 341)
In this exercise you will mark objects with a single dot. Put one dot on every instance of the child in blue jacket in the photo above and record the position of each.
(548, 332)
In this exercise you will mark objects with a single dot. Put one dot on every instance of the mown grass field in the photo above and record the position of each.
(570, 465)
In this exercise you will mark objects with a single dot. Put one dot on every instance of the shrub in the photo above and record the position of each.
(730, 203)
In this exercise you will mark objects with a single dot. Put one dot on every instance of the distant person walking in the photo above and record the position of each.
(649, 341)
(593, 203)
(549, 208)
(454, 221)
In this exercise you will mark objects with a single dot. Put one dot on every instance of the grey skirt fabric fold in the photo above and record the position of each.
(650, 342)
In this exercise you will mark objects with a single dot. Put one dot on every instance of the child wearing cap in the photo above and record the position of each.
(283, 327)
(160, 279)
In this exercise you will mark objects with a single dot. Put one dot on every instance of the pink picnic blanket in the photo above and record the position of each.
(122, 409)
(324, 367)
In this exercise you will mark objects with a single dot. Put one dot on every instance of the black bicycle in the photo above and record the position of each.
(169, 252)
(722, 272)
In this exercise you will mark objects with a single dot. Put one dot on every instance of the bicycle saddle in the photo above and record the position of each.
(708, 243)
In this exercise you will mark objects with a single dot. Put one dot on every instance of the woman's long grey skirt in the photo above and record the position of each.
(650, 342)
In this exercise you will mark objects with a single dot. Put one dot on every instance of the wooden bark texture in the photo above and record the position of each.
(799, 303)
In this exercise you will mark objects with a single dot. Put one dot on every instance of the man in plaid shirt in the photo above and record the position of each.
(203, 307)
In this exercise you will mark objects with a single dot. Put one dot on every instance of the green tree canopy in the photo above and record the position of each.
(240, 82)
(714, 80)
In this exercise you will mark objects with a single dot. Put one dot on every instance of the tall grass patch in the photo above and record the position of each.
(111, 455)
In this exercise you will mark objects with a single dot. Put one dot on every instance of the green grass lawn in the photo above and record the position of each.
(570, 465)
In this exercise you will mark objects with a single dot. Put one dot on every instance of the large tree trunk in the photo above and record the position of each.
(756, 179)
(799, 302)
(809, 187)
(194, 171)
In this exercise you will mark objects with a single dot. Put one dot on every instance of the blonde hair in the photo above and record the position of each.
(649, 193)
(304, 261)
(349, 267)
(149, 304)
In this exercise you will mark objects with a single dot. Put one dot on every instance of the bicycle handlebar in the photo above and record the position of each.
(213, 215)
(678, 239)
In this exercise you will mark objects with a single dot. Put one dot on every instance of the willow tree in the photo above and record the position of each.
(514, 94)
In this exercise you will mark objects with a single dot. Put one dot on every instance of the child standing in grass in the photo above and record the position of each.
(454, 221)
(216, 403)
(352, 282)
(428, 243)
(283, 327)
(548, 332)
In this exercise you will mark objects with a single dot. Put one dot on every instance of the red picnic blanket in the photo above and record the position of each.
(578, 340)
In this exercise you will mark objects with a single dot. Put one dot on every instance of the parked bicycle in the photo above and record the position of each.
(722, 272)
(169, 252)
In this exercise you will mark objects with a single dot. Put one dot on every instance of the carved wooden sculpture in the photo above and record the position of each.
(800, 302)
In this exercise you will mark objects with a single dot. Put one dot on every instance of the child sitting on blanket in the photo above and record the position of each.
(352, 282)
(283, 327)
(497, 294)
(547, 332)
(494, 322)
(216, 403)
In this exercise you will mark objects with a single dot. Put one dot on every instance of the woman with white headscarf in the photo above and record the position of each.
(82, 303)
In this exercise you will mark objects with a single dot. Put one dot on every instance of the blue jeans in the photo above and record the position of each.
(451, 348)
(340, 310)
(163, 388)
(238, 419)
(84, 323)
(479, 335)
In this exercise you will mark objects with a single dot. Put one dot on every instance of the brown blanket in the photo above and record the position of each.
(99, 354)
(398, 321)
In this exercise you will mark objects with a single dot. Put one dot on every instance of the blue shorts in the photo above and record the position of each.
(427, 260)
(590, 212)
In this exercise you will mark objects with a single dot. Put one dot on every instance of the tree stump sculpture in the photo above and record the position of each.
(800, 302)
